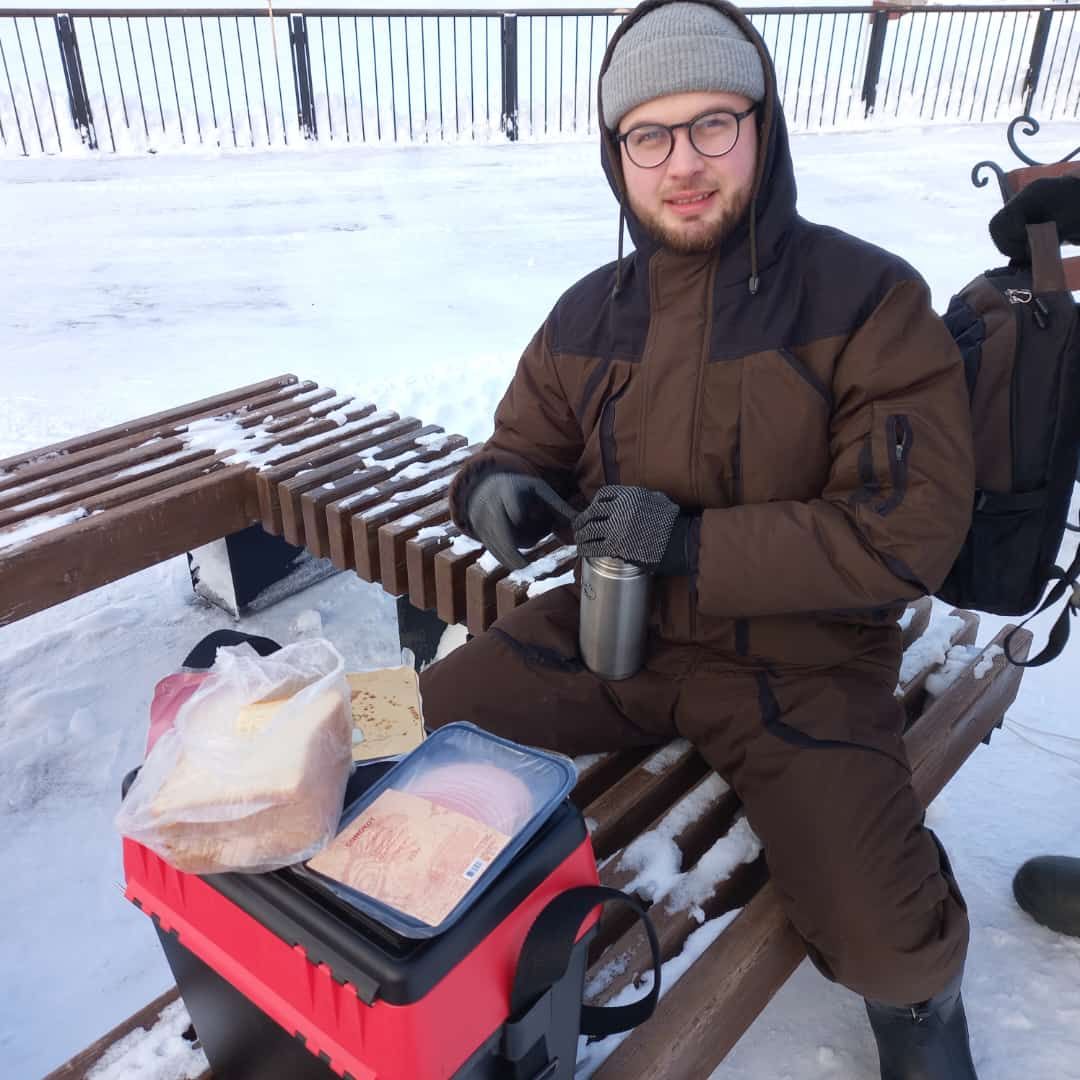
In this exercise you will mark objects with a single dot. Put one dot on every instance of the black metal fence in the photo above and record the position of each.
(143, 80)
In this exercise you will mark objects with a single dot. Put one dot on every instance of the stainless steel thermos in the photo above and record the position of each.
(614, 616)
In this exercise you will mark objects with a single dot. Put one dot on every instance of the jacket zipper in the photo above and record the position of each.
(695, 434)
(899, 437)
(609, 461)
(742, 626)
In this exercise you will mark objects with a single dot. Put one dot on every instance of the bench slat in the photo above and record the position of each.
(673, 928)
(953, 724)
(336, 478)
(331, 447)
(65, 495)
(480, 609)
(20, 494)
(1018, 179)
(912, 691)
(116, 497)
(921, 610)
(105, 547)
(696, 836)
(450, 569)
(289, 410)
(318, 404)
(717, 806)
(316, 505)
(701, 1017)
(603, 771)
(513, 590)
(481, 605)
(393, 547)
(39, 467)
(1072, 273)
(368, 489)
(206, 407)
(420, 565)
(430, 487)
(647, 791)
(103, 494)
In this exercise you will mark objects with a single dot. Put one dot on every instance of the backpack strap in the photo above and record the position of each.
(544, 959)
(1047, 270)
(1067, 581)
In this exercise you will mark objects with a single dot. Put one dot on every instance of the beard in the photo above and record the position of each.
(695, 237)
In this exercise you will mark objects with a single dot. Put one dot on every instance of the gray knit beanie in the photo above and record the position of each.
(675, 49)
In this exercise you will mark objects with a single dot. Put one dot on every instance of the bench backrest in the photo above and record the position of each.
(1018, 179)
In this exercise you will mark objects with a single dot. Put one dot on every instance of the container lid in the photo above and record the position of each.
(418, 848)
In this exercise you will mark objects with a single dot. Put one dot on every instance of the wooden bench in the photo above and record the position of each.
(628, 794)
(367, 489)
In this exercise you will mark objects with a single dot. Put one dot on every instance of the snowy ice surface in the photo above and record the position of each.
(413, 278)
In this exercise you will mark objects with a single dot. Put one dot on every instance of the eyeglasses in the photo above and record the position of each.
(712, 134)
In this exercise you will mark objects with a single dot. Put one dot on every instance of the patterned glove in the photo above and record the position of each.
(635, 524)
(507, 511)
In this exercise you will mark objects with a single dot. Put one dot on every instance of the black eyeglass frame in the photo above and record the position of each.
(689, 125)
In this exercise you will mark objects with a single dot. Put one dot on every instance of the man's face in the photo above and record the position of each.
(691, 202)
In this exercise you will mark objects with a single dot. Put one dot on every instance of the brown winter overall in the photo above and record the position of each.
(859, 876)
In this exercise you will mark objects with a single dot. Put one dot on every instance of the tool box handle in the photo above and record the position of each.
(544, 959)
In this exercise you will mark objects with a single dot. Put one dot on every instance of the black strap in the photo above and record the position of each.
(1059, 632)
(545, 956)
(201, 658)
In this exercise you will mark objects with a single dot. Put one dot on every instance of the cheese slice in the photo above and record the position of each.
(386, 712)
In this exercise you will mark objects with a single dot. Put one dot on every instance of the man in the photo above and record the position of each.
(768, 415)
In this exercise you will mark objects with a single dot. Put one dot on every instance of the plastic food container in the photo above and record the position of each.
(416, 850)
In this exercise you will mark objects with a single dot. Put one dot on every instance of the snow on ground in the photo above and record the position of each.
(412, 278)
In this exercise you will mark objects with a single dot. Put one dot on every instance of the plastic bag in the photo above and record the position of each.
(252, 774)
(169, 696)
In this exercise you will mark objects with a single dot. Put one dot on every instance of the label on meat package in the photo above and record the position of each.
(410, 854)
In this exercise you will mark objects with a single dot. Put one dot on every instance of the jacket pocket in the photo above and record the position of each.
(781, 432)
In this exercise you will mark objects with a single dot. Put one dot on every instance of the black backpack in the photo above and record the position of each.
(1018, 329)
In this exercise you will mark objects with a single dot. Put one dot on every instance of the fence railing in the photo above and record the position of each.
(147, 80)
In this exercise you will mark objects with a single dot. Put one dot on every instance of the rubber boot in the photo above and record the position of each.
(928, 1041)
(1048, 889)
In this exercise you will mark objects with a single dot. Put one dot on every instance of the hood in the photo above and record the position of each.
(755, 243)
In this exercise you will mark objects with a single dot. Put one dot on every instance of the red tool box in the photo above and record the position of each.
(284, 980)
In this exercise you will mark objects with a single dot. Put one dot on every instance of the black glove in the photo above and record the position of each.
(637, 525)
(1050, 198)
(507, 511)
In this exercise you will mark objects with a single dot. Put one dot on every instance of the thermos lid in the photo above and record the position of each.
(613, 567)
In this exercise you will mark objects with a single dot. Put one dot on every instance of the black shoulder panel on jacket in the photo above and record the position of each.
(825, 284)
(590, 321)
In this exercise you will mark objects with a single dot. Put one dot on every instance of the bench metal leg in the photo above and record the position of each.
(251, 569)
